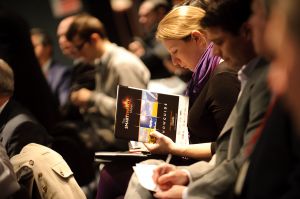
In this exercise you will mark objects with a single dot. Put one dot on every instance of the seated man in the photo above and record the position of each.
(83, 74)
(57, 75)
(18, 127)
(115, 65)
(273, 168)
(152, 53)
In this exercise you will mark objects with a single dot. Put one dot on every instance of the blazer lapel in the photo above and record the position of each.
(234, 139)
(230, 122)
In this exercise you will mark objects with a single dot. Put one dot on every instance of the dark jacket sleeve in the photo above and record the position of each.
(25, 133)
(223, 91)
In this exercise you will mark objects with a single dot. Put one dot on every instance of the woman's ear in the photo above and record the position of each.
(195, 35)
(199, 36)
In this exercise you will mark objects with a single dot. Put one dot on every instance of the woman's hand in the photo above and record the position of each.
(163, 144)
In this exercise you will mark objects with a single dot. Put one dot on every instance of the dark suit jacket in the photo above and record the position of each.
(58, 77)
(82, 76)
(24, 132)
(274, 170)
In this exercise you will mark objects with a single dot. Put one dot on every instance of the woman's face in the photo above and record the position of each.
(185, 54)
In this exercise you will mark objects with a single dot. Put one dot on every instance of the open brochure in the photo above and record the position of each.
(139, 112)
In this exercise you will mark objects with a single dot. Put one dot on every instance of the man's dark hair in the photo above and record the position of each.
(228, 15)
(84, 26)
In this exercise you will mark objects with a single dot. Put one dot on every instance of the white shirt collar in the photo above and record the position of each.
(46, 66)
(245, 71)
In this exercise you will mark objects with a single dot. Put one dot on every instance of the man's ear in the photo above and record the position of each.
(246, 31)
(94, 37)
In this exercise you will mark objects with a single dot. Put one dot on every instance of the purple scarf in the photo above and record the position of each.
(204, 68)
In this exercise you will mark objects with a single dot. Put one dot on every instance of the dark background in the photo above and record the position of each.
(120, 26)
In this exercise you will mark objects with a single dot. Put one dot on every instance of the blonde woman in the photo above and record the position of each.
(212, 90)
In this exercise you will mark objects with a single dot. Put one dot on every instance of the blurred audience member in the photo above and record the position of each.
(57, 75)
(285, 46)
(151, 52)
(83, 74)
(197, 3)
(18, 127)
(115, 65)
(272, 169)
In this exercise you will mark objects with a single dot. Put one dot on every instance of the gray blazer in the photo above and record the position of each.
(243, 121)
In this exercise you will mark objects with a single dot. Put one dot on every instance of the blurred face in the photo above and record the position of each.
(66, 46)
(236, 50)
(275, 28)
(285, 70)
(86, 49)
(292, 78)
(258, 23)
(147, 17)
(185, 54)
(281, 51)
(38, 47)
(43, 53)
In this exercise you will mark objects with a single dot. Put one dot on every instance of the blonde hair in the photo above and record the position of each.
(180, 22)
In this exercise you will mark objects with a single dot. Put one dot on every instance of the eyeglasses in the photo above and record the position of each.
(80, 46)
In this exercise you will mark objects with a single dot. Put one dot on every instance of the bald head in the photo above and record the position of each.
(151, 12)
(6, 80)
(66, 46)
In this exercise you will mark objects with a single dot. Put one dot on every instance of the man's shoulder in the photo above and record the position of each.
(59, 67)
(123, 59)
(260, 70)
(121, 54)
(17, 112)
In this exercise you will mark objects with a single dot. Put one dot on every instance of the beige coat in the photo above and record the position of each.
(51, 173)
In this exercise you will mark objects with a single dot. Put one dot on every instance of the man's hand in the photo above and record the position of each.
(163, 144)
(81, 97)
(174, 192)
(136, 48)
(167, 175)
